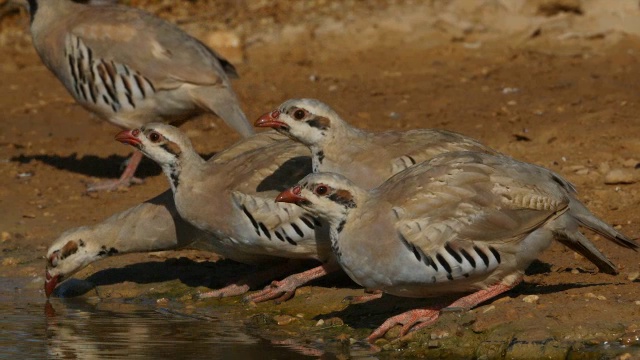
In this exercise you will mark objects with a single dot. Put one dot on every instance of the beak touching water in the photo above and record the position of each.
(50, 283)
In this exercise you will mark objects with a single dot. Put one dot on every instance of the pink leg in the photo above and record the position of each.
(245, 283)
(419, 318)
(125, 180)
(284, 290)
(361, 299)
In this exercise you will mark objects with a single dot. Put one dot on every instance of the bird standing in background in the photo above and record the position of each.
(463, 223)
(132, 68)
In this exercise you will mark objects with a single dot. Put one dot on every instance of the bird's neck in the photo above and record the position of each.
(325, 153)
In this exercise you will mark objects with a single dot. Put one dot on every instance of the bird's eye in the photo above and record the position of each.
(155, 137)
(322, 190)
(299, 114)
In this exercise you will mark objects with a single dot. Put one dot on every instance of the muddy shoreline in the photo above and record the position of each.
(553, 87)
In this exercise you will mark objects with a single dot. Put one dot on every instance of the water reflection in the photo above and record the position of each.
(92, 329)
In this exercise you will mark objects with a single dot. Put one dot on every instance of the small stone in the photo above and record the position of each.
(334, 321)
(594, 296)
(510, 90)
(320, 322)
(620, 176)
(10, 261)
(531, 299)
(439, 334)
(162, 302)
(489, 308)
(5, 236)
(637, 302)
(633, 276)
(283, 319)
(630, 163)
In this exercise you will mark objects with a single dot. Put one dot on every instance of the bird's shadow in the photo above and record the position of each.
(191, 273)
(94, 166)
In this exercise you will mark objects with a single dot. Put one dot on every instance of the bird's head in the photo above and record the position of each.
(70, 253)
(327, 195)
(308, 121)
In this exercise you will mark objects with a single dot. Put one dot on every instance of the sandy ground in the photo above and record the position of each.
(554, 83)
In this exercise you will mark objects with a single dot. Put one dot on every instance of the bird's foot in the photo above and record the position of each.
(284, 290)
(411, 321)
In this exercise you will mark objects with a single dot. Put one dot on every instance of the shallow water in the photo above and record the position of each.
(94, 329)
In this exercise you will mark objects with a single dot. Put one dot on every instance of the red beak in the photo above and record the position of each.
(50, 283)
(291, 195)
(270, 120)
(129, 137)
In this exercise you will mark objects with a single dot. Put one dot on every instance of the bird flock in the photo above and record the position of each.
(422, 213)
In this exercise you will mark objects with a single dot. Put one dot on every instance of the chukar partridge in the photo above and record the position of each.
(156, 225)
(463, 222)
(132, 68)
(233, 200)
(368, 159)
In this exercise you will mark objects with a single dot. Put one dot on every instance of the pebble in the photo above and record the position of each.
(594, 296)
(10, 261)
(5, 236)
(489, 308)
(439, 334)
(531, 299)
(283, 319)
(633, 276)
(620, 176)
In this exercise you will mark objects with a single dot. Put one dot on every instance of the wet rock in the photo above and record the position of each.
(631, 338)
(543, 349)
(263, 319)
(334, 321)
(621, 176)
